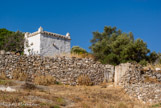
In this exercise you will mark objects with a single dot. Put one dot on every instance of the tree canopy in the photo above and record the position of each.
(112, 46)
(11, 41)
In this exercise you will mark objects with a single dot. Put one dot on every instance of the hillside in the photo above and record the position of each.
(65, 96)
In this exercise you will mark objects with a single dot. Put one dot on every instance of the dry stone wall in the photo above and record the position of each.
(120, 71)
(65, 70)
(132, 77)
(143, 84)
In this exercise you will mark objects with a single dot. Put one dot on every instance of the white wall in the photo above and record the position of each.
(34, 45)
(50, 45)
(120, 71)
(46, 45)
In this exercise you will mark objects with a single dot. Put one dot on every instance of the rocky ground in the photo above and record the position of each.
(28, 95)
(143, 84)
(147, 93)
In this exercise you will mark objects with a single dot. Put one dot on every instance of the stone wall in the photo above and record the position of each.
(120, 70)
(65, 70)
(143, 84)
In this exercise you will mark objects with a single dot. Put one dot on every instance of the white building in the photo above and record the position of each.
(46, 43)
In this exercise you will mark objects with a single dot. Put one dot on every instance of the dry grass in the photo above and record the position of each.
(151, 66)
(158, 65)
(150, 80)
(65, 96)
(7, 97)
(44, 80)
(84, 80)
(7, 82)
(86, 55)
(29, 86)
(3, 76)
(19, 75)
(4, 80)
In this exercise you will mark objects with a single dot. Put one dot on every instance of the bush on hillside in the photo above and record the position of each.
(84, 80)
(47, 80)
(78, 50)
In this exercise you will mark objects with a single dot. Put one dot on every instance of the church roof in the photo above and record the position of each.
(40, 31)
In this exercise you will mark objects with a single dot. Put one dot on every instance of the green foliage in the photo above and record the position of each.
(156, 105)
(55, 106)
(7, 82)
(122, 105)
(111, 58)
(11, 41)
(158, 61)
(143, 62)
(78, 50)
(114, 47)
(153, 56)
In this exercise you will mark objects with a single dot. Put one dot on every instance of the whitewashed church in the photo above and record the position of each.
(46, 43)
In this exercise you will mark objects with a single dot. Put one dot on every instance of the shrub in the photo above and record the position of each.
(78, 50)
(19, 75)
(143, 62)
(121, 105)
(151, 80)
(160, 61)
(44, 80)
(55, 106)
(84, 80)
(85, 55)
(156, 105)
(3, 76)
(61, 101)
(28, 86)
(7, 82)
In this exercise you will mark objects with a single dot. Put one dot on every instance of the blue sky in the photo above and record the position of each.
(82, 17)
